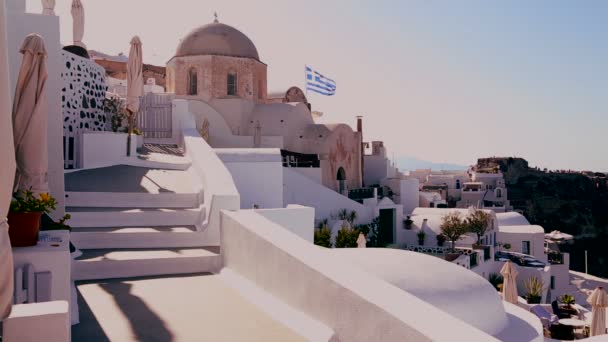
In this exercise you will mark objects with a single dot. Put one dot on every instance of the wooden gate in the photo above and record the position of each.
(155, 115)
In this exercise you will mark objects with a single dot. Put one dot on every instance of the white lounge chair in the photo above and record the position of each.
(546, 317)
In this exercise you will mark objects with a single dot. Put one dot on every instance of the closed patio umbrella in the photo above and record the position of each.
(509, 285)
(135, 84)
(7, 173)
(599, 301)
(361, 241)
(30, 118)
(78, 23)
(48, 7)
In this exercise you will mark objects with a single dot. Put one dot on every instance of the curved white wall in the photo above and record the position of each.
(354, 303)
(218, 186)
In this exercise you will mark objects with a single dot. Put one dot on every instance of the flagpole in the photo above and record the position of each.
(305, 83)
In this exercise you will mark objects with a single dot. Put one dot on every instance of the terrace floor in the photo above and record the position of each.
(183, 308)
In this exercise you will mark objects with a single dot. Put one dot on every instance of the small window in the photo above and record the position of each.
(232, 83)
(525, 247)
(552, 282)
(192, 82)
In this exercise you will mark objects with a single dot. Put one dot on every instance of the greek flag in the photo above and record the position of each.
(319, 83)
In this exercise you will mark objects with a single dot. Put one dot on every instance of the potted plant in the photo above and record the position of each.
(534, 290)
(506, 246)
(568, 300)
(421, 235)
(24, 217)
(407, 223)
(441, 240)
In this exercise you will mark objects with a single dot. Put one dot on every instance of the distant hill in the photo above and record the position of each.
(413, 163)
(568, 201)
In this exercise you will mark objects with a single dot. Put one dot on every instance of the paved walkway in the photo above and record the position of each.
(184, 308)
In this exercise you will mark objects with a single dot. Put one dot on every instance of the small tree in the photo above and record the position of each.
(478, 222)
(323, 236)
(347, 237)
(453, 228)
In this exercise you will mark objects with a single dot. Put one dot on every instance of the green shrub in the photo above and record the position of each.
(323, 237)
(347, 237)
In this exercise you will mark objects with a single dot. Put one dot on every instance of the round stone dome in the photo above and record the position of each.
(217, 39)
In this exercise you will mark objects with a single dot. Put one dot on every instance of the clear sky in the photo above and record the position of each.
(447, 81)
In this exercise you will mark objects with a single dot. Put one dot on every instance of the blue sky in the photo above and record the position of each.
(447, 81)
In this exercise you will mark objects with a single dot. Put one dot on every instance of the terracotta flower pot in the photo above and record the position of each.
(23, 228)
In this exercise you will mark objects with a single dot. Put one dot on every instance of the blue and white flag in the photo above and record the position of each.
(319, 83)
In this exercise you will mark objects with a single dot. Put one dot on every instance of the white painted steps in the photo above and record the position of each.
(137, 237)
(83, 217)
(127, 263)
(128, 199)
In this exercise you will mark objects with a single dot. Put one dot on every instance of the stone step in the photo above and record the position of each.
(136, 237)
(84, 217)
(127, 199)
(113, 263)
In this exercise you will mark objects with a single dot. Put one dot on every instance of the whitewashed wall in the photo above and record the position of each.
(297, 219)
(19, 25)
(357, 306)
(299, 189)
(258, 175)
(537, 242)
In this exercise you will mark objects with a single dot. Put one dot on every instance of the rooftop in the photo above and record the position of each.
(521, 229)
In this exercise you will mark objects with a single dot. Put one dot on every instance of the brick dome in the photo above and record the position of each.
(217, 39)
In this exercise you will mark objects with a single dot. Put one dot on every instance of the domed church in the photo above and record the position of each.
(218, 70)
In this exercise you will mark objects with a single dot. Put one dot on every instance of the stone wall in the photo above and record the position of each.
(212, 72)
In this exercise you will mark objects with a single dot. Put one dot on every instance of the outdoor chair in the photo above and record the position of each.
(559, 312)
(547, 319)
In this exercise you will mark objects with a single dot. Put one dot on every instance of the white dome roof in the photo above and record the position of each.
(449, 287)
(511, 218)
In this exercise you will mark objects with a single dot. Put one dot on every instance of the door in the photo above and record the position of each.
(525, 247)
(386, 230)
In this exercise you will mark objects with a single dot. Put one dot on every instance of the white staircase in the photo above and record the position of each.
(145, 233)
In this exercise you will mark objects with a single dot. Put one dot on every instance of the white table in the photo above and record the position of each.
(573, 322)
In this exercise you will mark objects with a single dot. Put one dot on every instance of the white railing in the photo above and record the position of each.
(220, 192)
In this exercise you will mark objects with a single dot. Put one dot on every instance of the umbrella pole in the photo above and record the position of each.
(129, 131)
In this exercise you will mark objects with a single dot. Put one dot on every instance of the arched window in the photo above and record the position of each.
(498, 193)
(458, 184)
(192, 82)
(232, 84)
